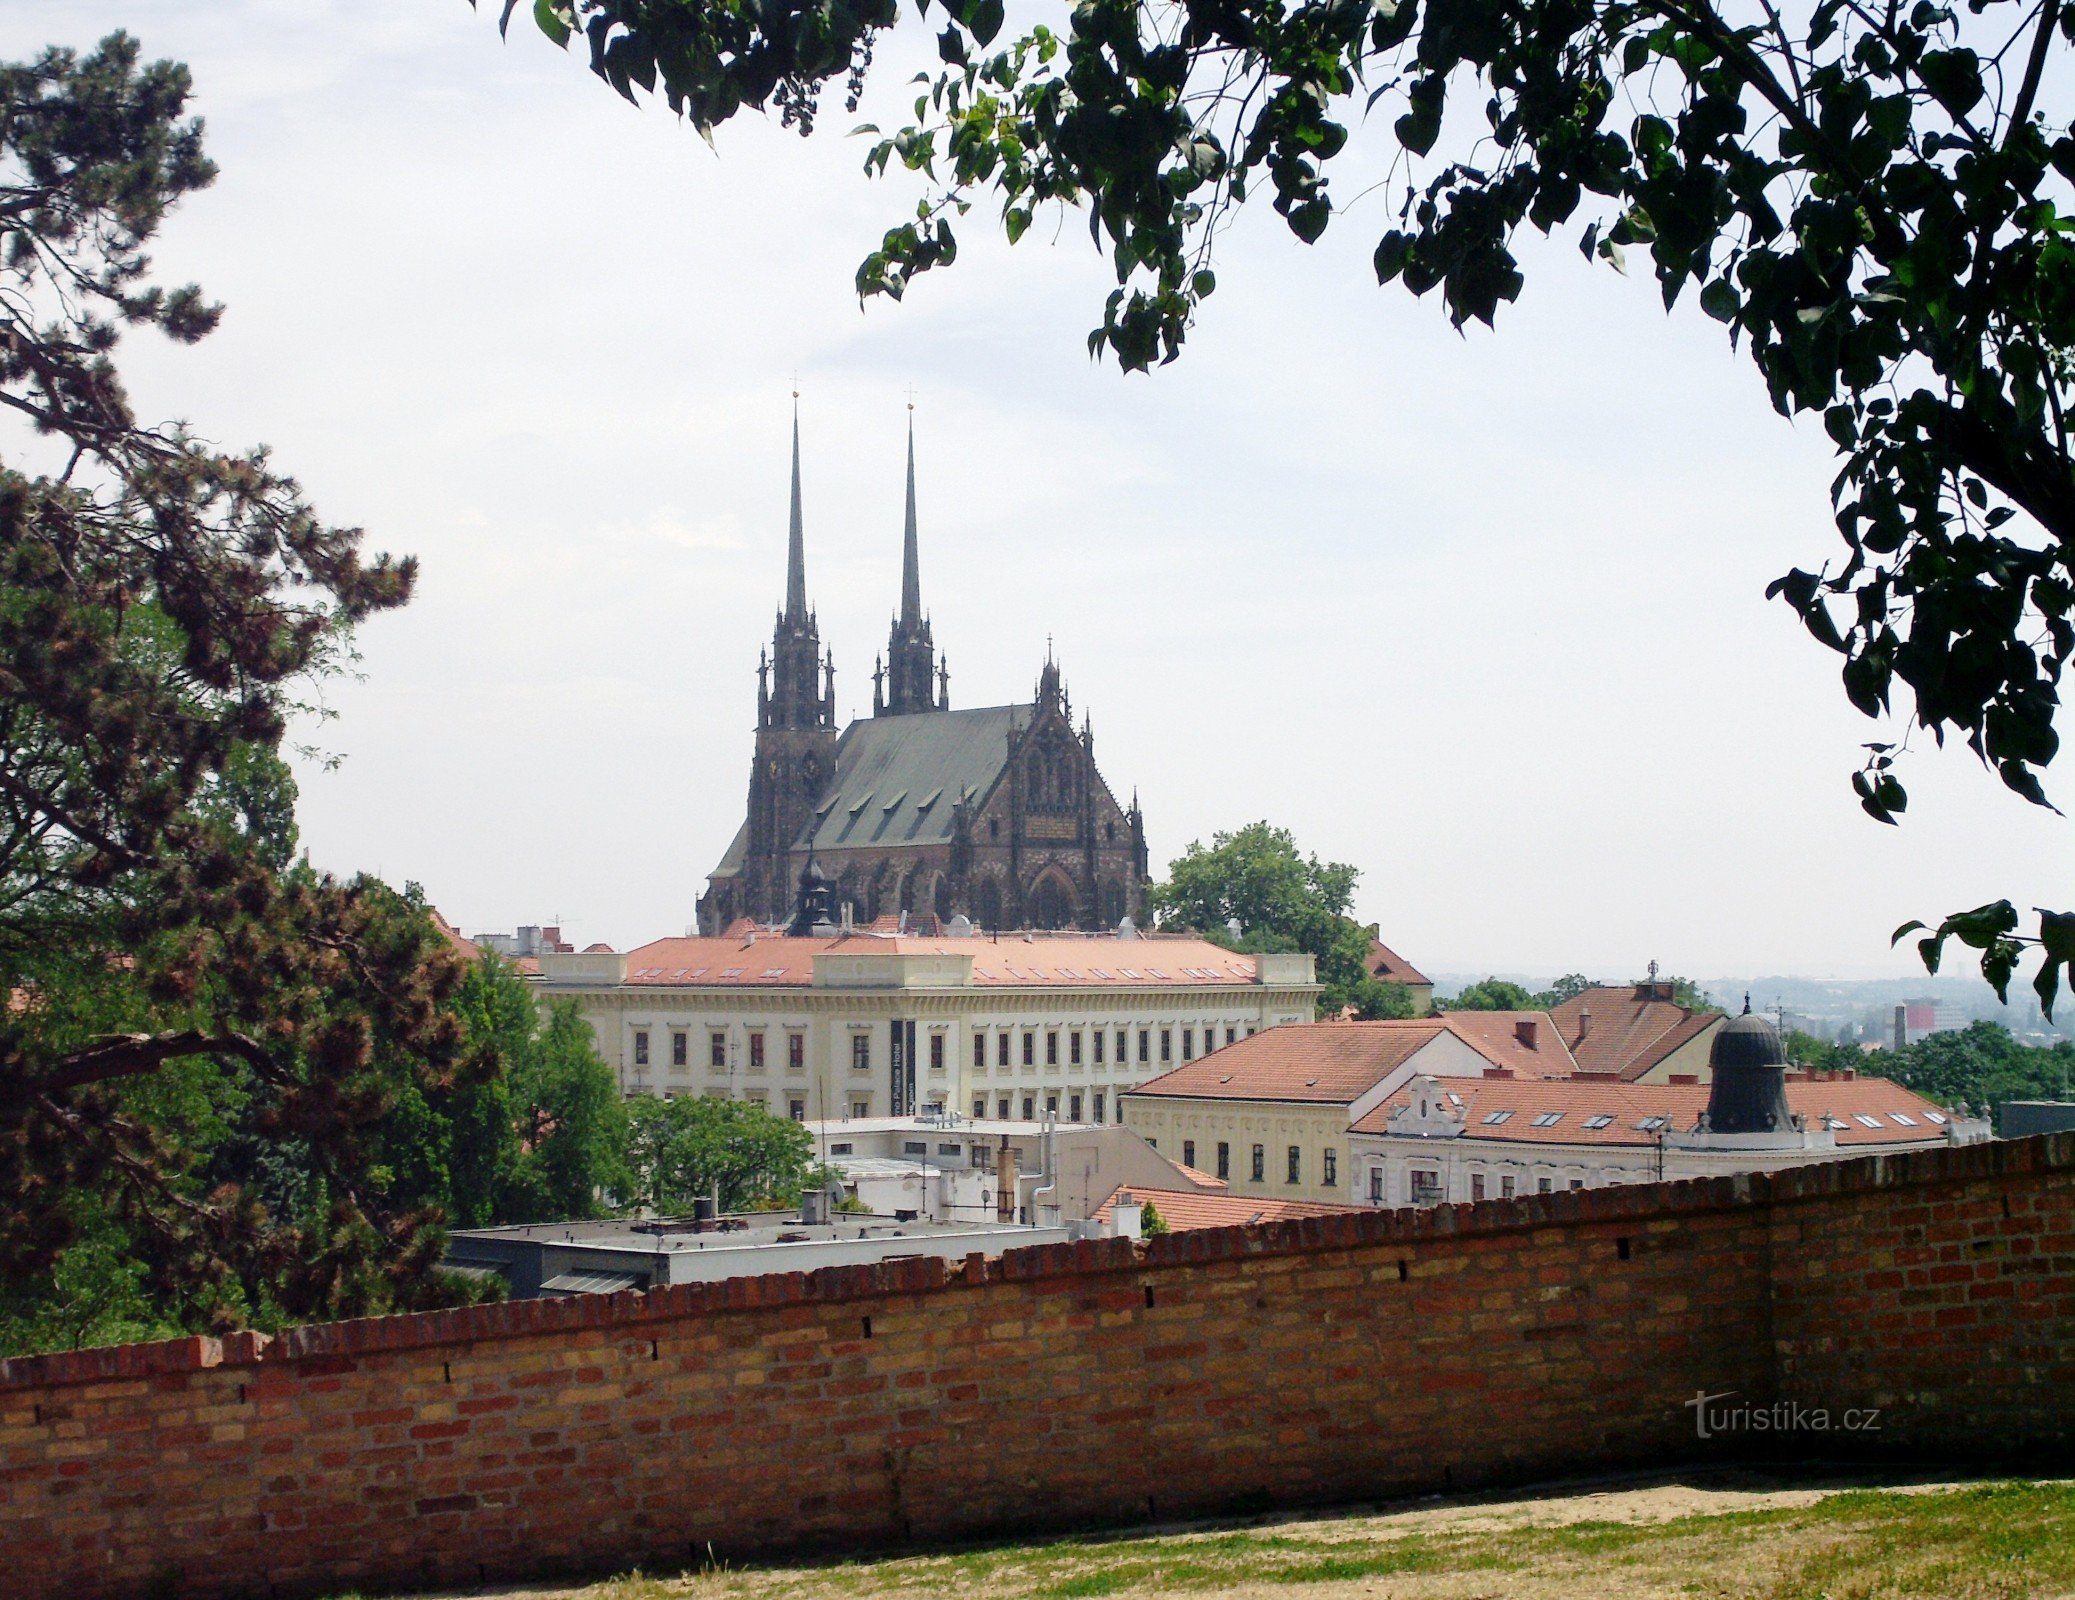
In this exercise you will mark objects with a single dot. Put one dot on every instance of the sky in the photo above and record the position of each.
(1482, 614)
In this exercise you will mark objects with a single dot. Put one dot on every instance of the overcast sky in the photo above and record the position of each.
(1483, 614)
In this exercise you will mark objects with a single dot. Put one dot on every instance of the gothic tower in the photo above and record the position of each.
(914, 680)
(796, 730)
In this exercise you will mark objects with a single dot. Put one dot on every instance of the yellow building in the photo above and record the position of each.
(863, 1024)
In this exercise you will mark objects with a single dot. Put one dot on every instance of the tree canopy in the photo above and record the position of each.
(1280, 900)
(689, 1148)
(204, 1038)
(1873, 201)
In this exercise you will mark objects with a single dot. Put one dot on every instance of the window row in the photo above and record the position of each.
(717, 1049)
(1070, 1103)
(1092, 1046)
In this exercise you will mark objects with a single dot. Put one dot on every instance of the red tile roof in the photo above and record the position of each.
(1634, 1026)
(1184, 1209)
(1387, 964)
(1078, 962)
(467, 949)
(1324, 1062)
(1526, 1042)
(1583, 1100)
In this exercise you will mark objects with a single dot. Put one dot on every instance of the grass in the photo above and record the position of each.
(1991, 1541)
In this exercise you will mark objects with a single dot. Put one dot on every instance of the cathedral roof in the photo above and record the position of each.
(898, 778)
(1052, 961)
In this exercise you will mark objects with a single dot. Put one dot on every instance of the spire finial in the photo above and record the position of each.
(796, 544)
(911, 561)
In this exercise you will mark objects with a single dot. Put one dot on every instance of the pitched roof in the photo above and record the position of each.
(1385, 963)
(464, 947)
(1186, 1209)
(897, 778)
(1073, 961)
(1526, 1042)
(1517, 1102)
(1634, 1026)
(1329, 1063)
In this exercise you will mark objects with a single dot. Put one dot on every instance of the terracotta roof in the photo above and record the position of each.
(466, 948)
(1526, 1042)
(1634, 1026)
(1387, 964)
(1581, 1101)
(1325, 1062)
(1184, 1210)
(599, 949)
(1089, 961)
(1202, 1180)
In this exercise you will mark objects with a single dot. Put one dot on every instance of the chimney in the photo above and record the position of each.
(1524, 1031)
(1004, 1182)
(1902, 1027)
(1127, 1216)
(1584, 1023)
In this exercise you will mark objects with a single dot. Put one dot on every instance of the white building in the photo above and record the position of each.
(862, 1024)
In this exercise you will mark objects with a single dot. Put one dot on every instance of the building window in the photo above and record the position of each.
(1260, 1163)
(1166, 1044)
(1052, 1104)
(1073, 1108)
(979, 1106)
(1329, 1167)
(1001, 1108)
(860, 1105)
(1231, 1036)
(861, 1052)
(795, 1052)
(796, 1108)
(936, 1052)
(756, 1051)
(1073, 1048)
(1123, 1040)
(1577, 1183)
(1476, 1186)
(1224, 1159)
(1188, 1044)
(1507, 1186)
(1030, 1049)
(1098, 1108)
(1052, 1048)
(641, 1047)
(1543, 1186)
(1100, 1038)
(1376, 1186)
(678, 1048)
(1296, 1164)
(717, 1050)
(1001, 1052)
(842, 1149)
(979, 1052)
(1145, 1044)
(1426, 1187)
(1030, 1108)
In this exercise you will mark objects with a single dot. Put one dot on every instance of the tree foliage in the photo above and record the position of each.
(1981, 1065)
(178, 990)
(1281, 900)
(687, 1149)
(1871, 199)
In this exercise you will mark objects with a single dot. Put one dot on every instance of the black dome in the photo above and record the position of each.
(1747, 1041)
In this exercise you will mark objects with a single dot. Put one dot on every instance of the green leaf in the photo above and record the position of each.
(553, 18)
(1719, 300)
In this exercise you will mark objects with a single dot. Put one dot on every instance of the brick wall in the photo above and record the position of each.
(1334, 1358)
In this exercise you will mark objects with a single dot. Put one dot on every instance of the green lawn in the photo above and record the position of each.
(1986, 1541)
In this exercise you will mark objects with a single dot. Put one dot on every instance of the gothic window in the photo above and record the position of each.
(994, 827)
(1112, 902)
(1109, 833)
(942, 899)
(908, 886)
(987, 903)
(1051, 903)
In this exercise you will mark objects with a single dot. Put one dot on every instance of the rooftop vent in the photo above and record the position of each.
(1524, 1031)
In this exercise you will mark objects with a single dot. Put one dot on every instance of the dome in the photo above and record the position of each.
(1747, 1041)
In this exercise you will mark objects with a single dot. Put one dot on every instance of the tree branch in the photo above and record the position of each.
(135, 1055)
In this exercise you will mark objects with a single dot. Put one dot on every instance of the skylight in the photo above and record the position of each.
(1871, 1122)
(1600, 1121)
(1652, 1124)
(1156, 972)
(1935, 1116)
(1069, 974)
(1104, 976)
(1548, 1119)
(774, 972)
(1494, 1118)
(1129, 972)
(1903, 1118)
(731, 972)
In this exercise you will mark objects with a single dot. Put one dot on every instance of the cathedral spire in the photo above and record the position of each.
(796, 547)
(911, 562)
(912, 683)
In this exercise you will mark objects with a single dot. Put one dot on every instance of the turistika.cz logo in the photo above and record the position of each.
(1711, 1417)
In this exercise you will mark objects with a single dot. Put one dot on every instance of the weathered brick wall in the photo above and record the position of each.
(1330, 1359)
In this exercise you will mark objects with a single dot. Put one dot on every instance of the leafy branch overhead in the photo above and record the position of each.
(1871, 196)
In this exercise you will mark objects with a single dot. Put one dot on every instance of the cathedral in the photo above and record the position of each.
(997, 815)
